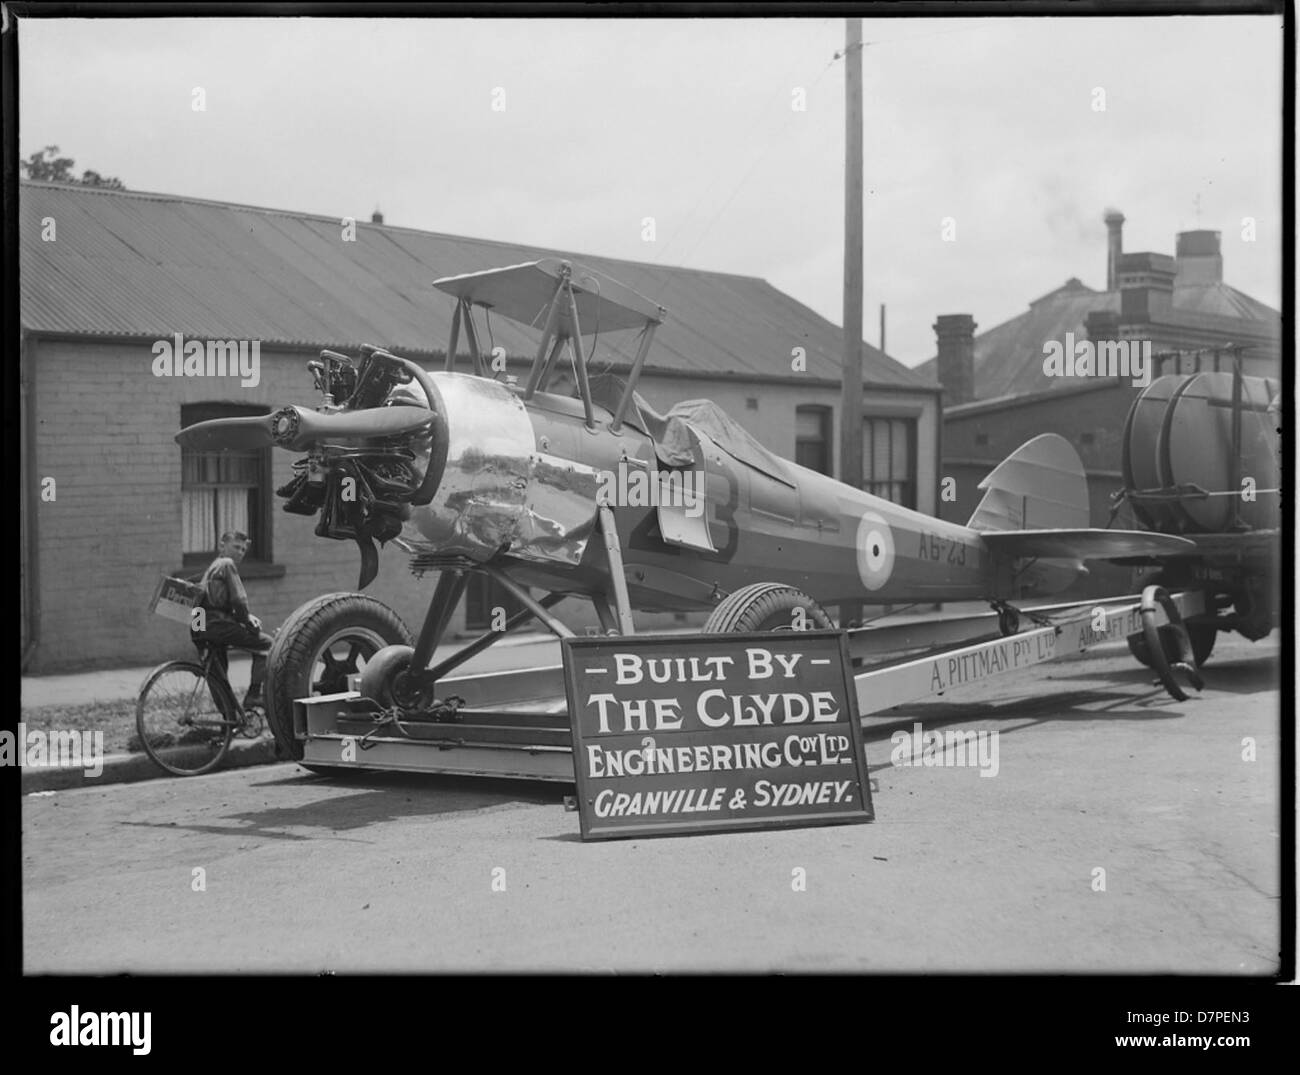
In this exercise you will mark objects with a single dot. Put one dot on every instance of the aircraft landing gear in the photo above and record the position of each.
(387, 680)
(767, 606)
(1008, 618)
(317, 648)
(403, 677)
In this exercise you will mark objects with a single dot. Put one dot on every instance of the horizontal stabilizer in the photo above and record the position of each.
(1083, 544)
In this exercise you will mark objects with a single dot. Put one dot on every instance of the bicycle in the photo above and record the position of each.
(186, 713)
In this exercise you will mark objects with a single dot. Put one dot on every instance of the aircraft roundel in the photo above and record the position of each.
(875, 551)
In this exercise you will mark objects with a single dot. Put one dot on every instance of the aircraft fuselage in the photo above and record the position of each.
(834, 542)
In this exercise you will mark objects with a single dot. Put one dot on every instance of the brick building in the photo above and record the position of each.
(997, 396)
(110, 502)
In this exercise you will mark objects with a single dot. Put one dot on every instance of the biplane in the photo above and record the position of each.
(473, 472)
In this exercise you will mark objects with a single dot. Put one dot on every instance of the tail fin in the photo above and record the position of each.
(1039, 486)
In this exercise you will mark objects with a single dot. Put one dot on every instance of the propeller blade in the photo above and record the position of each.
(296, 427)
(253, 431)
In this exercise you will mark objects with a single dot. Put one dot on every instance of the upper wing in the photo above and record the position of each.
(523, 293)
(1084, 544)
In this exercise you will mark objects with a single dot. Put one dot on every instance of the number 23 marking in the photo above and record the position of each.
(932, 548)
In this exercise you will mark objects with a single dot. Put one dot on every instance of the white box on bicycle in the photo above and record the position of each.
(175, 598)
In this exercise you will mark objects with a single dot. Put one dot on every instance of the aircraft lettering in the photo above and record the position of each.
(940, 549)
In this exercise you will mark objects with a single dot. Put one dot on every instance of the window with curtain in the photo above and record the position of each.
(812, 438)
(889, 459)
(223, 490)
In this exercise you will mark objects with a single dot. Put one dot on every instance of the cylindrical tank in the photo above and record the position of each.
(1179, 433)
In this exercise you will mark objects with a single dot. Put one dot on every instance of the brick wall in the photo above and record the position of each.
(103, 429)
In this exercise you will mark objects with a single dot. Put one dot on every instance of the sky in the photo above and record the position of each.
(569, 134)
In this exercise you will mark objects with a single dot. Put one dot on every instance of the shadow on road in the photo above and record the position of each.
(1028, 712)
(1246, 676)
(1064, 705)
(356, 800)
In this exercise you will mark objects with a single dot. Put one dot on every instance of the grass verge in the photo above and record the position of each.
(115, 719)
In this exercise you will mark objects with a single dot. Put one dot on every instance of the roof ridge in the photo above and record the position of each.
(1072, 286)
(303, 215)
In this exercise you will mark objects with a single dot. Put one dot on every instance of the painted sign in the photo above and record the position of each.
(710, 732)
(175, 598)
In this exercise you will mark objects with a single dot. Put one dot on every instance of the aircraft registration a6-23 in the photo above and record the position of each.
(472, 472)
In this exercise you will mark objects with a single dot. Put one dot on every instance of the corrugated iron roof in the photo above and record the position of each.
(138, 264)
(1009, 356)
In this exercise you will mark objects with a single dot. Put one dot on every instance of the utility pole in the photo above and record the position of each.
(851, 383)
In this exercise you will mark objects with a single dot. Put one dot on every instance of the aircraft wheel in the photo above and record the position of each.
(317, 648)
(767, 606)
(386, 681)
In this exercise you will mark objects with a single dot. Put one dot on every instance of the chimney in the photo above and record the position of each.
(1101, 325)
(376, 217)
(1146, 286)
(1114, 246)
(956, 364)
(1199, 258)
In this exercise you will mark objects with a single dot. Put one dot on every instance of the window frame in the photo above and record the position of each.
(826, 416)
(261, 549)
(910, 484)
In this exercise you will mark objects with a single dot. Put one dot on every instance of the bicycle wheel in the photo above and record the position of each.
(185, 720)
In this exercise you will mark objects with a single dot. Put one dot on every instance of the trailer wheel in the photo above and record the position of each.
(766, 606)
(316, 649)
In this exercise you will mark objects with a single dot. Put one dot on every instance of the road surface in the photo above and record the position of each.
(1123, 832)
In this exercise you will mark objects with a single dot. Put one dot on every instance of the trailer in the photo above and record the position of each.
(516, 724)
